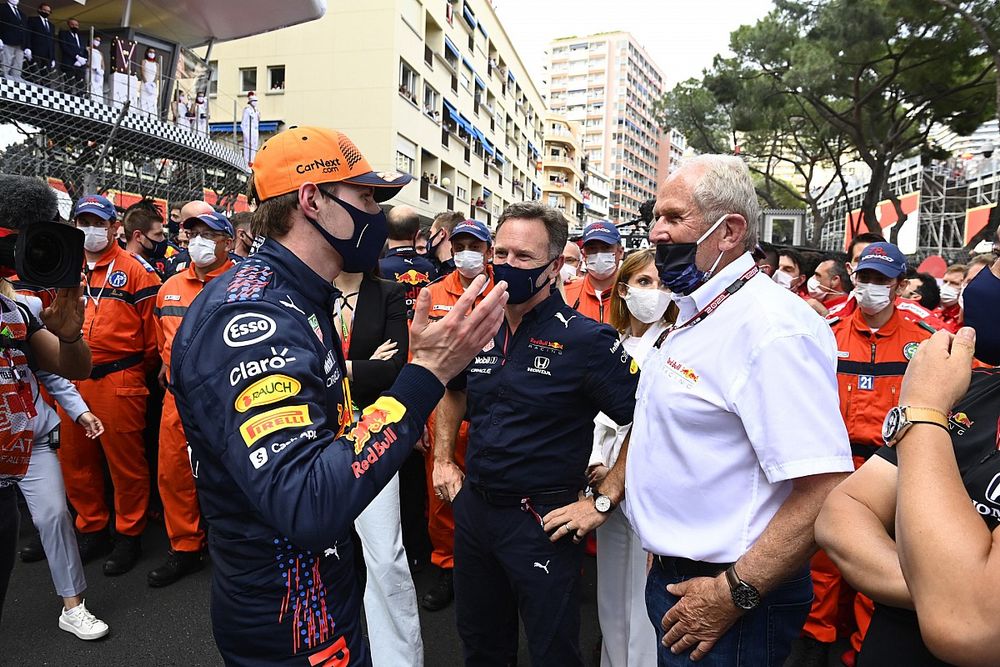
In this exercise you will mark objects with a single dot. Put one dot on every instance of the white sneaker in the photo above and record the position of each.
(82, 623)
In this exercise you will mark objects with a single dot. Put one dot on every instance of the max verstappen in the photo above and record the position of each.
(258, 373)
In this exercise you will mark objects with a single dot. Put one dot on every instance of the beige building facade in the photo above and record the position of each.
(432, 88)
(563, 178)
(608, 83)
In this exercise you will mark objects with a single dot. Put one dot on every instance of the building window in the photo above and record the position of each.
(213, 78)
(248, 79)
(276, 78)
(461, 193)
(466, 74)
(408, 82)
(432, 102)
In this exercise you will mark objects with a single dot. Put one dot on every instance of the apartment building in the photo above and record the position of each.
(608, 83)
(596, 196)
(432, 88)
(563, 178)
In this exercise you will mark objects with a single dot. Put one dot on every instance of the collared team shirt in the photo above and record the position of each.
(729, 412)
(533, 396)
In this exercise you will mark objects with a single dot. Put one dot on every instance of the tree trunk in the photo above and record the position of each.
(817, 223)
(872, 197)
(900, 217)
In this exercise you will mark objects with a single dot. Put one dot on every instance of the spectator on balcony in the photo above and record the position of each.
(181, 107)
(201, 115)
(42, 46)
(14, 40)
(96, 71)
(73, 62)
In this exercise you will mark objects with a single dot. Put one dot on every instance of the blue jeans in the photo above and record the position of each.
(761, 638)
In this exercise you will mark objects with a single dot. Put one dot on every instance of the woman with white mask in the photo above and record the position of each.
(641, 310)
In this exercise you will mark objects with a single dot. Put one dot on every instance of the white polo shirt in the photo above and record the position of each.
(729, 411)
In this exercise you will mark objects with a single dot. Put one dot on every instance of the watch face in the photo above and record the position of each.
(891, 424)
(603, 504)
(746, 597)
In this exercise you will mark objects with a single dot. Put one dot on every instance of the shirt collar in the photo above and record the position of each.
(404, 251)
(691, 304)
(547, 308)
(453, 282)
(887, 329)
(191, 274)
(307, 282)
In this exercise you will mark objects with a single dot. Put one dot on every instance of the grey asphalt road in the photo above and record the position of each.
(170, 626)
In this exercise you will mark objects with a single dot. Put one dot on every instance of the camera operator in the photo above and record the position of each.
(56, 346)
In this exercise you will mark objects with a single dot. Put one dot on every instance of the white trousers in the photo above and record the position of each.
(390, 598)
(12, 65)
(45, 494)
(629, 637)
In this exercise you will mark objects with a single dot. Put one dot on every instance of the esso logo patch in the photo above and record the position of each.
(247, 329)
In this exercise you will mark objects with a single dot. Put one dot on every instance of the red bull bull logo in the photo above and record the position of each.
(385, 411)
(413, 277)
(960, 422)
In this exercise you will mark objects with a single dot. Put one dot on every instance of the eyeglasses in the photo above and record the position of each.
(209, 235)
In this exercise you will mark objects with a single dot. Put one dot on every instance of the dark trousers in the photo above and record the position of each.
(762, 638)
(40, 71)
(413, 508)
(505, 564)
(9, 519)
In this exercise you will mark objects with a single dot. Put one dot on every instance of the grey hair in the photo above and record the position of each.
(554, 221)
(725, 186)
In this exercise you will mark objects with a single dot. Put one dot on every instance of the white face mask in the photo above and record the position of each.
(469, 263)
(949, 294)
(202, 251)
(871, 298)
(647, 304)
(95, 239)
(568, 272)
(602, 264)
(783, 278)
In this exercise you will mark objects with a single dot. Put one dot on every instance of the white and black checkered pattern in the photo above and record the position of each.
(89, 120)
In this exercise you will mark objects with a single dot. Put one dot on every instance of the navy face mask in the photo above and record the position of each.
(676, 266)
(981, 299)
(360, 252)
(521, 283)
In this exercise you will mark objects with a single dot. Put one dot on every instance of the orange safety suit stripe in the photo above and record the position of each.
(581, 296)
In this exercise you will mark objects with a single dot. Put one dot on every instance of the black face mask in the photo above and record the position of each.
(981, 302)
(158, 250)
(433, 243)
(360, 252)
(44, 15)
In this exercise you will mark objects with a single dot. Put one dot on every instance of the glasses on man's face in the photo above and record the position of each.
(208, 235)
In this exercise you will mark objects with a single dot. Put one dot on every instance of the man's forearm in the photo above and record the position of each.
(788, 541)
(857, 542)
(613, 485)
(447, 420)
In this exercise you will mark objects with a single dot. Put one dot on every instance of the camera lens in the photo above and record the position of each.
(46, 255)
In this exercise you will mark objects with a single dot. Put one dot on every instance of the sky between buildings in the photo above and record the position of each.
(682, 36)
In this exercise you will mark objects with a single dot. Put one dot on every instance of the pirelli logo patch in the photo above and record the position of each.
(264, 424)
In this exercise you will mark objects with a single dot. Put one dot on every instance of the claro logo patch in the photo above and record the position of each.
(266, 391)
(287, 416)
(247, 329)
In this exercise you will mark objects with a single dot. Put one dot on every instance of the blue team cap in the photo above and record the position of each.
(473, 228)
(216, 221)
(601, 231)
(883, 257)
(96, 204)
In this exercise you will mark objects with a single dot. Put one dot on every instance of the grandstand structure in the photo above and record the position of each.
(84, 140)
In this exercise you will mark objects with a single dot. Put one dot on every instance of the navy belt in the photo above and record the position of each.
(674, 566)
(557, 497)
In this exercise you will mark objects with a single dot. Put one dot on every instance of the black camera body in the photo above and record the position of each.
(45, 254)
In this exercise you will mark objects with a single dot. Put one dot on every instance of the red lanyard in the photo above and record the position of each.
(733, 288)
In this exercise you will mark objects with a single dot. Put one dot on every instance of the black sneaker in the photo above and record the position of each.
(123, 557)
(179, 564)
(32, 552)
(93, 545)
(442, 594)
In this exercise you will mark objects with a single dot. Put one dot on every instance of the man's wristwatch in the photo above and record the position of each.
(603, 504)
(900, 419)
(745, 596)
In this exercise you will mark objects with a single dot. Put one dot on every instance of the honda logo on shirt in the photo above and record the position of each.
(541, 363)
(993, 490)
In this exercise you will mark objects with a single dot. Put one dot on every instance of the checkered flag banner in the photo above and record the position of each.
(117, 136)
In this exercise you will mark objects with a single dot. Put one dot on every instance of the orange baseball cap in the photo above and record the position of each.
(317, 155)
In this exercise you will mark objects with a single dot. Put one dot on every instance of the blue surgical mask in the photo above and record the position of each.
(675, 262)
(521, 283)
(981, 299)
(360, 252)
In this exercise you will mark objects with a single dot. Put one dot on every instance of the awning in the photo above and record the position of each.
(500, 158)
(486, 193)
(190, 23)
(469, 17)
(534, 151)
(467, 125)
(467, 63)
(510, 76)
(227, 128)
(479, 82)
(483, 30)
(478, 135)
(450, 46)
(488, 147)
